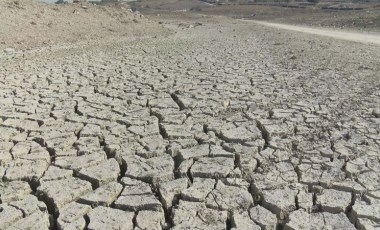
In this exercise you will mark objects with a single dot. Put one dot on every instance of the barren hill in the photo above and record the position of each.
(29, 23)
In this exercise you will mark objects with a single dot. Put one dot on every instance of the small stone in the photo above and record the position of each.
(376, 112)
(9, 50)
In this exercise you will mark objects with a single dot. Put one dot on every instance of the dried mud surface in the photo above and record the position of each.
(222, 124)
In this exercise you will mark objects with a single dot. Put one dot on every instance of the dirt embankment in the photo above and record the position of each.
(28, 23)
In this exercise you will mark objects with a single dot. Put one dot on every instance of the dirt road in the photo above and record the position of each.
(361, 37)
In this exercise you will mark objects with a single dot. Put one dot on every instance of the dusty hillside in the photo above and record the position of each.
(324, 14)
(27, 23)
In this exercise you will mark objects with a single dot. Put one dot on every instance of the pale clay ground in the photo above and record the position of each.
(221, 124)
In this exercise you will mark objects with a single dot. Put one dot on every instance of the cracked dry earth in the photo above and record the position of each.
(226, 125)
